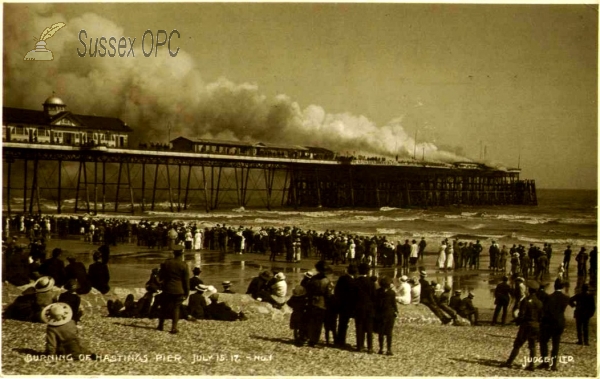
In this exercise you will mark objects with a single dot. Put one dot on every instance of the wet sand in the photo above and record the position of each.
(130, 266)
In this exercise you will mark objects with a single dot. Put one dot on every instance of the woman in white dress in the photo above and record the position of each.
(197, 240)
(450, 258)
(441, 262)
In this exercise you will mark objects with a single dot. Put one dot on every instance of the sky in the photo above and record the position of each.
(516, 81)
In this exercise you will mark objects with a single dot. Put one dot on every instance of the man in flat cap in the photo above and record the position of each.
(530, 314)
(175, 280)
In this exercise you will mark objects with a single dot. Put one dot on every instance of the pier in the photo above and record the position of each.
(119, 180)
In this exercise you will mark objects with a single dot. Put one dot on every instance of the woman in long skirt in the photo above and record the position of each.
(441, 262)
(450, 258)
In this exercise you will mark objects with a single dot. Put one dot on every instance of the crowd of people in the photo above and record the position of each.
(318, 302)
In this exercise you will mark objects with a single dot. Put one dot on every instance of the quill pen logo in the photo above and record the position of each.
(40, 53)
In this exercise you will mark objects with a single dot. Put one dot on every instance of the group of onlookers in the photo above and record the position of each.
(541, 318)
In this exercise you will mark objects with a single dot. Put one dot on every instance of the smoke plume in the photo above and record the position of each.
(165, 96)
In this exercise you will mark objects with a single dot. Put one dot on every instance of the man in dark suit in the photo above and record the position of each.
(345, 298)
(585, 307)
(175, 285)
(502, 295)
(553, 324)
(365, 308)
(530, 314)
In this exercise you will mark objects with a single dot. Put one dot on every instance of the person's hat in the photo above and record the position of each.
(471, 295)
(211, 290)
(404, 278)
(57, 314)
(226, 283)
(196, 270)
(447, 288)
(299, 291)
(520, 279)
(72, 285)
(178, 249)
(534, 285)
(44, 284)
(505, 278)
(280, 276)
(71, 258)
(266, 275)
(308, 274)
(423, 273)
(457, 292)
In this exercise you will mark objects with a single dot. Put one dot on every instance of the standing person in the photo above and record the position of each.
(298, 303)
(414, 253)
(399, 254)
(567, 259)
(585, 306)
(365, 308)
(344, 293)
(449, 257)
(386, 311)
(441, 262)
(406, 249)
(422, 246)
(553, 325)
(198, 240)
(318, 289)
(581, 259)
(175, 285)
(502, 295)
(530, 314)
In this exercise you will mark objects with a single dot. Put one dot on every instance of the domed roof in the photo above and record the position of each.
(53, 100)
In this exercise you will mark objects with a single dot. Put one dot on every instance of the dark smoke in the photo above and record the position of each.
(153, 94)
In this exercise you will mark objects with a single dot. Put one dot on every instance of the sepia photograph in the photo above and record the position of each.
(299, 189)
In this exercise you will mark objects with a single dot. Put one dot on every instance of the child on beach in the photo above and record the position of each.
(61, 332)
(298, 303)
(386, 312)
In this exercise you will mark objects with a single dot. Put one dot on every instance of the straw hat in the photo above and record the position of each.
(211, 290)
(423, 273)
(201, 288)
(404, 278)
(57, 314)
(44, 284)
(280, 276)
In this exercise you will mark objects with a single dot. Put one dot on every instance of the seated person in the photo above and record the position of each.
(61, 332)
(259, 284)
(403, 295)
(70, 297)
(221, 311)
(469, 311)
(275, 292)
(197, 302)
